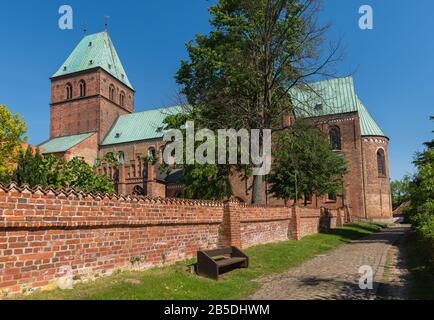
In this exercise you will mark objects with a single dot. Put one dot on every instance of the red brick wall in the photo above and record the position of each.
(42, 231)
(260, 224)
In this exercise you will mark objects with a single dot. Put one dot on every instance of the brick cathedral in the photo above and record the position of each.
(92, 114)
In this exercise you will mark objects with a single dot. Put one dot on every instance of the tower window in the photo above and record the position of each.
(68, 91)
(82, 88)
(112, 92)
(122, 99)
(335, 138)
(381, 163)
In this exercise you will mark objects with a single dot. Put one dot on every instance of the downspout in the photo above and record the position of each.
(363, 179)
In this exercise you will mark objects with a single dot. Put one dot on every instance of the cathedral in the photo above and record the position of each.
(92, 114)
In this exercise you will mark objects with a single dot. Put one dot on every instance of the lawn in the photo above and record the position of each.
(175, 282)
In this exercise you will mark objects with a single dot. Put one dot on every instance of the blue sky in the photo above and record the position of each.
(393, 63)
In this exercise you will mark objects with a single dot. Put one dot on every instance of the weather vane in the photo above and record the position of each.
(107, 18)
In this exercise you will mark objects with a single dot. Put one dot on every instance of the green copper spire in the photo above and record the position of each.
(95, 51)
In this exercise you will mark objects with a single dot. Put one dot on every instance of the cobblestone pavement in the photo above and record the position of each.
(335, 275)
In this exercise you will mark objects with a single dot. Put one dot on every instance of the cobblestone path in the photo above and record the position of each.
(335, 275)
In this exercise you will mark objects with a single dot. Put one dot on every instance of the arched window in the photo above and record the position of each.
(152, 153)
(381, 162)
(122, 99)
(335, 138)
(82, 88)
(68, 91)
(112, 92)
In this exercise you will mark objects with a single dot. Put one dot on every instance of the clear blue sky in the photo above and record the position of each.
(394, 63)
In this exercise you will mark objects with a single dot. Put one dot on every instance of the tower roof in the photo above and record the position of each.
(335, 96)
(95, 51)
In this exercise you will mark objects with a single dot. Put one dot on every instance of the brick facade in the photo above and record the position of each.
(94, 112)
(366, 195)
(42, 232)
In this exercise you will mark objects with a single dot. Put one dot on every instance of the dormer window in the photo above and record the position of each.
(68, 89)
(90, 44)
(109, 66)
(90, 62)
(64, 68)
(82, 88)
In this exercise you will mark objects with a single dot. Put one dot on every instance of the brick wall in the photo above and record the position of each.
(43, 231)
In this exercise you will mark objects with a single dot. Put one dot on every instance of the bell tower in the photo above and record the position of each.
(90, 90)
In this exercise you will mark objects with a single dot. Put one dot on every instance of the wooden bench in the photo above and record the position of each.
(212, 263)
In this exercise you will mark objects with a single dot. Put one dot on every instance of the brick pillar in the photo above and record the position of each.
(296, 223)
(233, 227)
(122, 188)
(339, 218)
(154, 188)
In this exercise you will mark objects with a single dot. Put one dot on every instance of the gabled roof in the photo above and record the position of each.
(329, 97)
(95, 51)
(63, 144)
(139, 126)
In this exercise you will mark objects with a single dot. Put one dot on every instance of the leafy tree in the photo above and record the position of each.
(240, 75)
(305, 164)
(12, 131)
(421, 212)
(401, 191)
(30, 168)
(199, 181)
(33, 169)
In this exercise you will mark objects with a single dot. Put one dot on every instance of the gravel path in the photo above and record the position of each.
(335, 275)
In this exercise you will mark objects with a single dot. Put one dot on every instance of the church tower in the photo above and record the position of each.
(89, 91)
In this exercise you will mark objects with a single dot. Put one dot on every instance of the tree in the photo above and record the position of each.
(421, 211)
(12, 131)
(240, 75)
(305, 164)
(199, 181)
(51, 171)
(401, 191)
(30, 168)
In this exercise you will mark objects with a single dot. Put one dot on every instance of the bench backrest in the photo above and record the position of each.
(218, 252)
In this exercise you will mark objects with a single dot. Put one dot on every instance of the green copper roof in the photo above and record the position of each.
(368, 125)
(330, 97)
(139, 126)
(63, 144)
(95, 51)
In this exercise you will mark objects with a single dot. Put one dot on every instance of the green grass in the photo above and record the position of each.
(175, 282)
